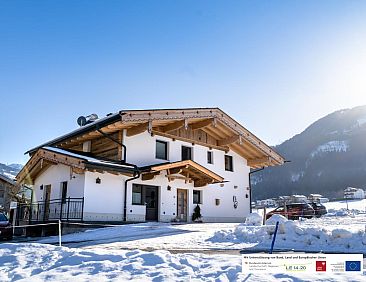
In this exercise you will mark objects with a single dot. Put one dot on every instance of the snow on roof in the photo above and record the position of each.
(107, 119)
(87, 158)
(7, 179)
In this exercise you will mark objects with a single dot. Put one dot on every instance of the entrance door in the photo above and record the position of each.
(151, 202)
(182, 204)
(47, 197)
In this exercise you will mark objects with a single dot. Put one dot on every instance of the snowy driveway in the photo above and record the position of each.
(152, 236)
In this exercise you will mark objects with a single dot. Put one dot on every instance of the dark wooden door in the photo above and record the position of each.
(47, 197)
(151, 202)
(182, 204)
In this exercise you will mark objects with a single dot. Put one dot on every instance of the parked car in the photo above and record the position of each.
(6, 229)
(319, 209)
(294, 211)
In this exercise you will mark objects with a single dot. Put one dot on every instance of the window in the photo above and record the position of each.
(161, 150)
(1, 194)
(3, 217)
(136, 194)
(186, 153)
(229, 163)
(209, 157)
(64, 191)
(197, 197)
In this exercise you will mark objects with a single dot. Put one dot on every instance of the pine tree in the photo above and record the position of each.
(197, 213)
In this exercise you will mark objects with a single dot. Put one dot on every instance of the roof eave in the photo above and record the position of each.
(84, 129)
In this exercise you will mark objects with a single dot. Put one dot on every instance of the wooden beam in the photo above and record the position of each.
(175, 170)
(137, 129)
(191, 164)
(173, 177)
(255, 162)
(173, 126)
(228, 140)
(149, 176)
(120, 140)
(202, 124)
(200, 183)
(193, 141)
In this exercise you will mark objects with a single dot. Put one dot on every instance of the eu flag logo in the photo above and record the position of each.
(353, 265)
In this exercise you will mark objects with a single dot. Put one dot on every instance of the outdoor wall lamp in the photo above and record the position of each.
(98, 180)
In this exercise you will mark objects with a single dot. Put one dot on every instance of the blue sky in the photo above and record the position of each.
(275, 66)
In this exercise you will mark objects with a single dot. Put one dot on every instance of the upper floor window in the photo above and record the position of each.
(229, 163)
(209, 157)
(161, 150)
(186, 153)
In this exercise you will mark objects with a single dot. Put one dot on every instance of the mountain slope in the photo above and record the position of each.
(325, 158)
(10, 170)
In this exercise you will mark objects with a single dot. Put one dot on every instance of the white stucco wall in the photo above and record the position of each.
(141, 151)
(53, 176)
(104, 201)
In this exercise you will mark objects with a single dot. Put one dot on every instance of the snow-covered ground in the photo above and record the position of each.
(152, 236)
(42, 262)
(183, 252)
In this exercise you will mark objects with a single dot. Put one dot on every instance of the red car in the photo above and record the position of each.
(294, 211)
(6, 229)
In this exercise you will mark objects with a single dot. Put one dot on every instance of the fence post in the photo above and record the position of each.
(59, 232)
(14, 218)
(61, 209)
(68, 209)
(82, 210)
(274, 237)
(30, 213)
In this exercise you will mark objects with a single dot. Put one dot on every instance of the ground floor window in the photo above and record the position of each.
(64, 191)
(136, 194)
(197, 197)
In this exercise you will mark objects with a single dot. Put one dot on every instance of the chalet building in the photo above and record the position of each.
(147, 165)
(7, 190)
(354, 193)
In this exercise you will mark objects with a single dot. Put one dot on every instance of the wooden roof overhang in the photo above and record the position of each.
(210, 127)
(7, 180)
(188, 170)
(43, 159)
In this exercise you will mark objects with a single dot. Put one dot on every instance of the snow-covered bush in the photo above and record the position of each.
(274, 218)
(341, 233)
(253, 219)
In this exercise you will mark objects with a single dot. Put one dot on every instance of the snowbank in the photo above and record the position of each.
(39, 262)
(253, 219)
(296, 235)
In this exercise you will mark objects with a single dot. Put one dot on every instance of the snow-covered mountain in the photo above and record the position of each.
(325, 158)
(10, 170)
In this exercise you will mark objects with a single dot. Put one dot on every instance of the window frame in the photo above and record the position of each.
(63, 190)
(200, 196)
(191, 153)
(230, 166)
(135, 185)
(210, 157)
(166, 150)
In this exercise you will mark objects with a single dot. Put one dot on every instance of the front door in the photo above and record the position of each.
(47, 197)
(151, 202)
(182, 204)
